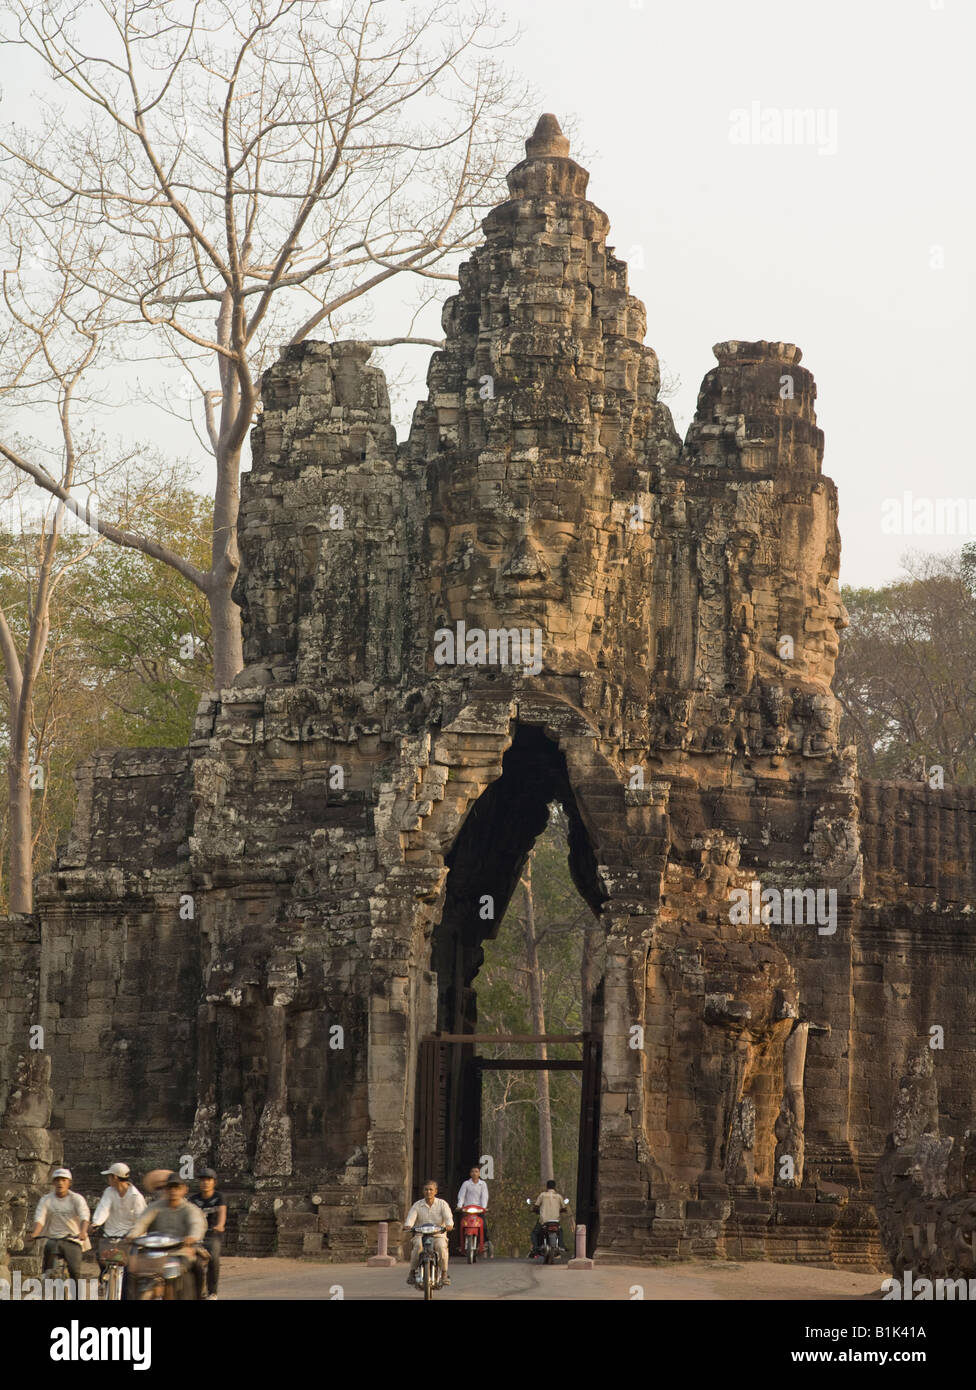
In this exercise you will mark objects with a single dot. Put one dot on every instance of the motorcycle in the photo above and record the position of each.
(428, 1274)
(551, 1249)
(550, 1234)
(472, 1237)
(155, 1271)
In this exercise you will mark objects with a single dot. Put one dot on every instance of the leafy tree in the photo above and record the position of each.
(906, 674)
(126, 655)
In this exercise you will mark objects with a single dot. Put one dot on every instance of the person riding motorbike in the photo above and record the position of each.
(62, 1217)
(430, 1210)
(474, 1193)
(173, 1215)
(549, 1204)
(214, 1207)
(118, 1209)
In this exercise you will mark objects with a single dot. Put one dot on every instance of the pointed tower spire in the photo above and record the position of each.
(544, 353)
(547, 167)
(547, 139)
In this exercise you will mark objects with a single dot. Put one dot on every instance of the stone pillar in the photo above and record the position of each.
(273, 1156)
(789, 1126)
(202, 1141)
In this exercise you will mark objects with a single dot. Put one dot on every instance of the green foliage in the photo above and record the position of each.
(510, 1115)
(117, 672)
(146, 630)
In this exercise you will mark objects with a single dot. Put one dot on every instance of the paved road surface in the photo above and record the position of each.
(517, 1280)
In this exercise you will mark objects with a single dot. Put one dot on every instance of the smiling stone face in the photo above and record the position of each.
(507, 556)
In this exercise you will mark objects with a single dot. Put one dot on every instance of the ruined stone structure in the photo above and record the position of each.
(542, 594)
(926, 1189)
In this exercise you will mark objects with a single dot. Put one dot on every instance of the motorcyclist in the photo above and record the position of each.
(474, 1193)
(549, 1204)
(434, 1211)
(118, 1209)
(62, 1218)
(173, 1215)
(213, 1204)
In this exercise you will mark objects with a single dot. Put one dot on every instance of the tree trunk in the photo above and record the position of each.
(236, 416)
(501, 1134)
(21, 894)
(225, 618)
(538, 1025)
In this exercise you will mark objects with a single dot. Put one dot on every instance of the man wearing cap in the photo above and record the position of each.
(119, 1207)
(174, 1216)
(62, 1218)
(214, 1207)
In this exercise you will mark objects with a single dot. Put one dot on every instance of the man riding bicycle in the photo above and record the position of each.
(61, 1217)
(119, 1207)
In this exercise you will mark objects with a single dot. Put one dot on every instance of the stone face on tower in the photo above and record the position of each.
(540, 595)
(543, 426)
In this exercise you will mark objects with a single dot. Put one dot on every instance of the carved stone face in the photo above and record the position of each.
(831, 609)
(532, 554)
(812, 542)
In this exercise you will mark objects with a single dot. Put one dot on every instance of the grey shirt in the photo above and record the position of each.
(186, 1221)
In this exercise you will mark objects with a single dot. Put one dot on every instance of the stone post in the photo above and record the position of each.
(580, 1261)
(382, 1259)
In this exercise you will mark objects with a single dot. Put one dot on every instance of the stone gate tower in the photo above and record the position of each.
(540, 595)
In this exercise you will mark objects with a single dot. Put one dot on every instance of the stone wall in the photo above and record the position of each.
(926, 1188)
(28, 1146)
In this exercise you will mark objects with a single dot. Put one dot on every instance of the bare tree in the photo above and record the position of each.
(52, 350)
(534, 971)
(248, 174)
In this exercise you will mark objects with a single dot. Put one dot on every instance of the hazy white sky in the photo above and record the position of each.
(834, 251)
(858, 245)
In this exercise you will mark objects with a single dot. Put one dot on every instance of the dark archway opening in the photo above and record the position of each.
(485, 864)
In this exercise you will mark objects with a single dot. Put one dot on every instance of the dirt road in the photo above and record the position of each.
(517, 1280)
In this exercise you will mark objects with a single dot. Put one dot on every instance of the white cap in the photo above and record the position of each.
(117, 1170)
(61, 1173)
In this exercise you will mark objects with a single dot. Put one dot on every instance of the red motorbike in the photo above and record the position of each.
(472, 1232)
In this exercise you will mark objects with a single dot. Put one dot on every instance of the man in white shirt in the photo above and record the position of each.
(120, 1206)
(61, 1217)
(433, 1211)
(474, 1193)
